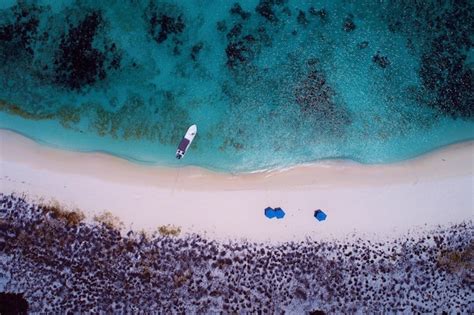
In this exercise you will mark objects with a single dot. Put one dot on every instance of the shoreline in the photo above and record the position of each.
(381, 200)
(219, 171)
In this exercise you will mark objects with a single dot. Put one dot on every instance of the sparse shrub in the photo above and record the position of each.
(146, 274)
(144, 235)
(61, 213)
(181, 278)
(169, 230)
(109, 220)
(456, 260)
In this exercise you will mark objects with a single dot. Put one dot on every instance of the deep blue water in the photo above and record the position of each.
(270, 83)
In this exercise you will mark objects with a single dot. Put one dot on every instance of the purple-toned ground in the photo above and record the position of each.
(60, 264)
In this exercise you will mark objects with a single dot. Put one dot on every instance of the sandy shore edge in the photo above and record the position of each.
(436, 188)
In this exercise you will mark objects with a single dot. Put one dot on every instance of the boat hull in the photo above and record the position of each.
(186, 142)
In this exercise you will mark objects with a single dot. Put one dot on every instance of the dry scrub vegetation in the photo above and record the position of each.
(169, 230)
(109, 220)
(60, 212)
(457, 260)
(168, 274)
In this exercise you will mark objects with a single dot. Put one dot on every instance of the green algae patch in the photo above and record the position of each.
(135, 119)
(68, 116)
(16, 110)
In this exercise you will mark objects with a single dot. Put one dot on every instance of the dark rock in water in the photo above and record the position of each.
(363, 45)
(316, 100)
(349, 24)
(322, 14)
(301, 19)
(249, 38)
(313, 94)
(395, 26)
(195, 50)
(116, 57)
(234, 32)
(6, 33)
(237, 10)
(221, 26)
(381, 61)
(163, 25)
(13, 303)
(265, 9)
(237, 53)
(314, 90)
(263, 36)
(451, 80)
(23, 30)
(446, 73)
(287, 11)
(313, 11)
(176, 48)
(77, 62)
(313, 61)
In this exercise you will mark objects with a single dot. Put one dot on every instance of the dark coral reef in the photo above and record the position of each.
(135, 70)
(162, 25)
(66, 51)
(63, 265)
(316, 99)
(445, 71)
(77, 62)
(19, 30)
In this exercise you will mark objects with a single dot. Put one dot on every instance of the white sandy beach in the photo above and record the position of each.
(360, 200)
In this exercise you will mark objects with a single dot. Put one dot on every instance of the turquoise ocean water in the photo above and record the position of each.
(270, 83)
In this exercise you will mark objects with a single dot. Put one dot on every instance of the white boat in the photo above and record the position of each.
(186, 142)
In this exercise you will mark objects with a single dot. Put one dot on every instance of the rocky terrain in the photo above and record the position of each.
(60, 263)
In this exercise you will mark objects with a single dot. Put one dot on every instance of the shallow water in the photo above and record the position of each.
(270, 83)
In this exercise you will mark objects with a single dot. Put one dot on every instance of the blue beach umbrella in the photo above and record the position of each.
(279, 213)
(269, 212)
(274, 213)
(320, 215)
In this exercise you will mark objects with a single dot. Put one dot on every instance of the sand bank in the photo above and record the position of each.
(381, 200)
